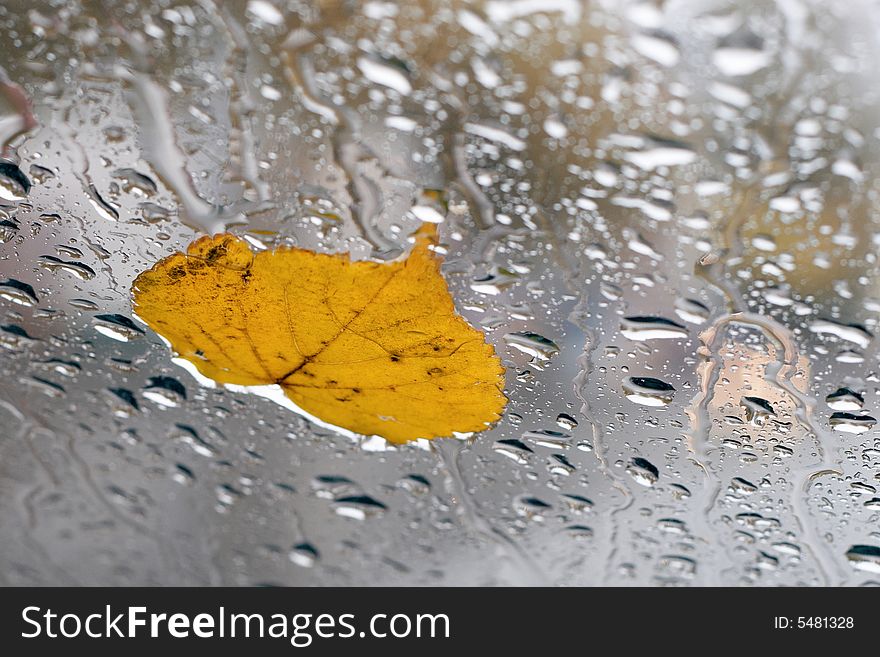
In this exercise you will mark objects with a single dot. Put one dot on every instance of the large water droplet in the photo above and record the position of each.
(648, 391)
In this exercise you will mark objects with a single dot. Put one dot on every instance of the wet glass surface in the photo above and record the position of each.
(662, 214)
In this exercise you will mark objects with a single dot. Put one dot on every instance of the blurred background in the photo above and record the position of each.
(661, 213)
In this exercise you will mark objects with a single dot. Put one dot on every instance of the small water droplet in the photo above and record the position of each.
(304, 555)
(359, 507)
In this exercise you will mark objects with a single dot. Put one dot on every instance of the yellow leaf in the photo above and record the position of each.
(375, 348)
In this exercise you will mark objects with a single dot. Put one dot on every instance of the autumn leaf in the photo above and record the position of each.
(375, 348)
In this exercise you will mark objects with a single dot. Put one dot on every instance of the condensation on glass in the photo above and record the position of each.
(662, 214)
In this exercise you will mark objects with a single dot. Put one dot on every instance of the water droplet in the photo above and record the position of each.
(691, 310)
(18, 292)
(648, 391)
(104, 209)
(740, 486)
(182, 475)
(494, 134)
(740, 53)
(117, 327)
(660, 47)
(165, 391)
(566, 421)
(844, 399)
(531, 508)
(865, 558)
(13, 336)
(577, 503)
(764, 243)
(680, 492)
(643, 471)
(533, 344)
(579, 531)
(135, 181)
(8, 230)
(78, 269)
(513, 449)
(385, 74)
(265, 11)
(304, 555)
(548, 438)
(757, 408)
(850, 423)
(651, 328)
(657, 152)
(848, 332)
(124, 395)
(358, 507)
(14, 185)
